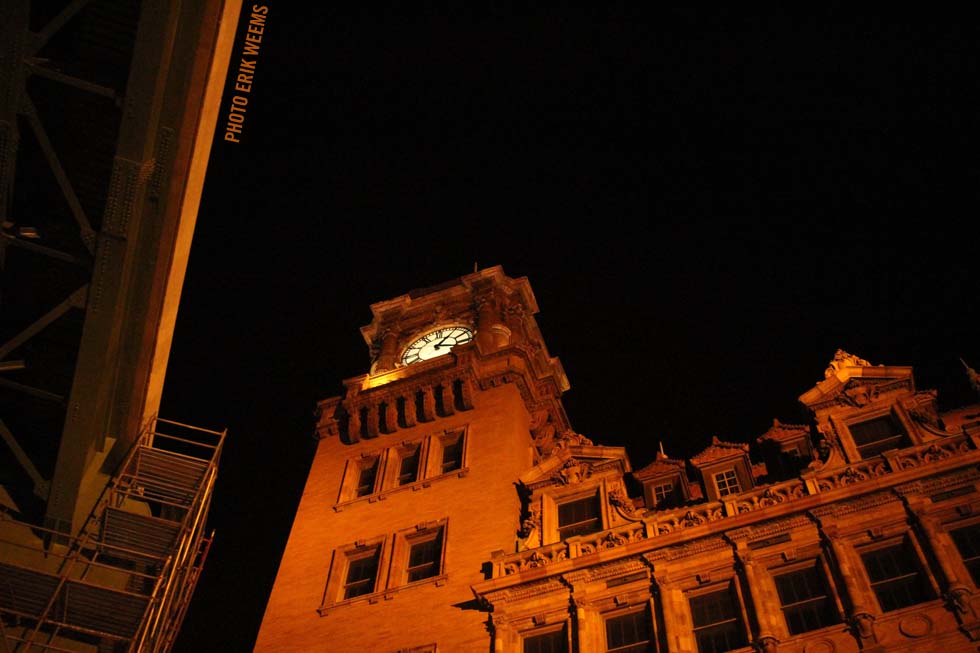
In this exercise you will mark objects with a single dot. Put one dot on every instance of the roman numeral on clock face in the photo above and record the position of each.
(436, 343)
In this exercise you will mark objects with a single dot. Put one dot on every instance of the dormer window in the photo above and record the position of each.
(727, 483)
(874, 436)
(725, 469)
(664, 482)
(579, 517)
(663, 495)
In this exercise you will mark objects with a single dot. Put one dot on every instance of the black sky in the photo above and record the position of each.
(707, 205)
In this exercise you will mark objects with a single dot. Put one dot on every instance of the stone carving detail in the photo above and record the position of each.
(958, 479)
(843, 359)
(922, 408)
(531, 558)
(621, 501)
(571, 438)
(531, 525)
(769, 528)
(547, 438)
(915, 625)
(820, 646)
(767, 645)
(573, 471)
(695, 547)
(958, 598)
(966, 606)
(863, 627)
(853, 474)
(526, 591)
(612, 539)
(543, 431)
(486, 307)
(537, 558)
(607, 570)
(935, 452)
(690, 518)
(772, 496)
(827, 443)
(972, 376)
(866, 502)
(858, 395)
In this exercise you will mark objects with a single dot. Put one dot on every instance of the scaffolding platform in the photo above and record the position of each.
(123, 583)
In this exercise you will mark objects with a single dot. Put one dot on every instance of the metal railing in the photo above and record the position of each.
(123, 583)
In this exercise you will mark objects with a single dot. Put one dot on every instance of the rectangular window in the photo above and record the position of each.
(628, 633)
(408, 467)
(717, 624)
(362, 572)
(805, 599)
(452, 453)
(727, 483)
(387, 563)
(579, 517)
(367, 476)
(878, 435)
(405, 464)
(555, 641)
(897, 577)
(967, 540)
(425, 555)
(663, 495)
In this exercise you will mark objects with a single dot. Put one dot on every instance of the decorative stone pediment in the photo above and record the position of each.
(851, 381)
(577, 464)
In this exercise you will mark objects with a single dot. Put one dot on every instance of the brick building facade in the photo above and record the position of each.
(450, 507)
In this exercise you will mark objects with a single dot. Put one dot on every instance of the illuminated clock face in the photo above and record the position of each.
(436, 343)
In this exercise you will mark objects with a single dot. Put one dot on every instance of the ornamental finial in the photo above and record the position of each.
(843, 359)
(973, 376)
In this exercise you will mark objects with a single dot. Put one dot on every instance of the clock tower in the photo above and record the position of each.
(450, 508)
(413, 486)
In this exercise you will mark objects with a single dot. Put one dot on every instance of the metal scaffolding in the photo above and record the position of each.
(107, 115)
(123, 583)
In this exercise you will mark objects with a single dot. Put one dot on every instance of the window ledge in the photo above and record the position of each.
(416, 486)
(383, 595)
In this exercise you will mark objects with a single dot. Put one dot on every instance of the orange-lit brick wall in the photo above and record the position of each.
(482, 509)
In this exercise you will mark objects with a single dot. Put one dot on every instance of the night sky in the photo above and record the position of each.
(707, 204)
